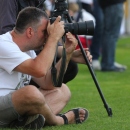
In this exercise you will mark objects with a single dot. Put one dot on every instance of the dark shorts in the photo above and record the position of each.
(7, 111)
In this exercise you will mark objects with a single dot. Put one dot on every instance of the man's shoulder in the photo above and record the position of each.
(7, 45)
(5, 37)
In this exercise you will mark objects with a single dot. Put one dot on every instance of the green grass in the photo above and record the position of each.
(115, 88)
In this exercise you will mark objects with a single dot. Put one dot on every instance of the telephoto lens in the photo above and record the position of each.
(80, 28)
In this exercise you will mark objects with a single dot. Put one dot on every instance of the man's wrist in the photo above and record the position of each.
(68, 57)
(54, 38)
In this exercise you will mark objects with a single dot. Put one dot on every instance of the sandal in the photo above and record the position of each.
(76, 113)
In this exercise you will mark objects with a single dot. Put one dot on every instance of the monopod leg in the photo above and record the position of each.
(108, 109)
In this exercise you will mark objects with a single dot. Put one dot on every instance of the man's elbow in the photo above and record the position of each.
(39, 73)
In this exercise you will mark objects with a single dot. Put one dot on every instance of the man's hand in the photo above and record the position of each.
(78, 57)
(71, 43)
(56, 30)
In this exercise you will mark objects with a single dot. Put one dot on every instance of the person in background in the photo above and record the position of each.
(95, 47)
(111, 33)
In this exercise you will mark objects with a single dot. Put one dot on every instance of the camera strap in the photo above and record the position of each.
(57, 82)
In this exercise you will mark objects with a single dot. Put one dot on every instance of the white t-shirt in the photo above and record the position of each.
(10, 57)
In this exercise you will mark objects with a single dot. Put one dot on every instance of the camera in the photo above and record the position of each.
(78, 28)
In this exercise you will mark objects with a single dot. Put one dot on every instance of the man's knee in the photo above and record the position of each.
(66, 92)
(32, 93)
(27, 97)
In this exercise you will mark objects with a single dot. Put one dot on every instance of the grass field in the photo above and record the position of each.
(115, 88)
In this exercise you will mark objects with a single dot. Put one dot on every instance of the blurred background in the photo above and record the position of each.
(125, 28)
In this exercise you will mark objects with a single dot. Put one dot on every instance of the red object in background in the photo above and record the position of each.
(85, 42)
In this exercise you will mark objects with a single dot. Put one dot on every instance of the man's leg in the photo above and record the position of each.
(112, 23)
(30, 101)
(7, 111)
(57, 98)
(95, 47)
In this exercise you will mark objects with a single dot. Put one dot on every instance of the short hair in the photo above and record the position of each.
(29, 16)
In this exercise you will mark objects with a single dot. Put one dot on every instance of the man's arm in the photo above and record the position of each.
(77, 55)
(70, 45)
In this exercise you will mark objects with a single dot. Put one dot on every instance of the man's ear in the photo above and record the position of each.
(29, 32)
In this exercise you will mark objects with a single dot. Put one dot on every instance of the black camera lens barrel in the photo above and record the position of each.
(80, 28)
